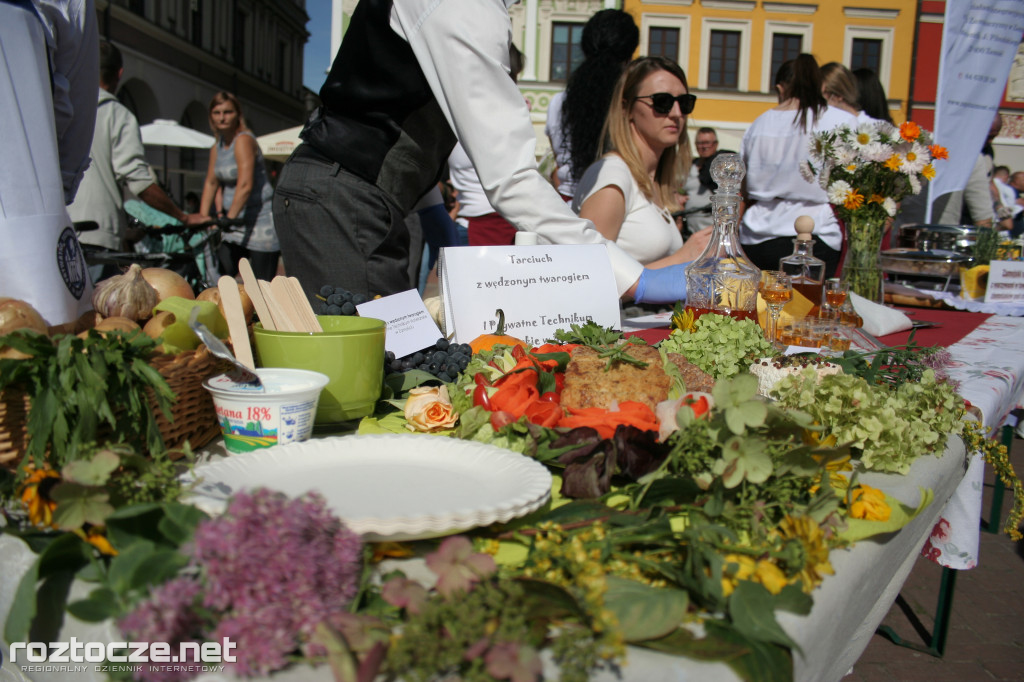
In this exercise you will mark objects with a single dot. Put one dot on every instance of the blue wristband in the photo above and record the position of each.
(664, 285)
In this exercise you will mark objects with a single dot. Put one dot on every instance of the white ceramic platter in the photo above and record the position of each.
(388, 487)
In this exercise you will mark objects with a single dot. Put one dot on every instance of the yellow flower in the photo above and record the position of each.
(429, 409)
(682, 320)
(770, 575)
(869, 503)
(35, 495)
(98, 539)
(854, 200)
(894, 162)
(928, 171)
(876, 199)
(852, 167)
(812, 551)
(737, 567)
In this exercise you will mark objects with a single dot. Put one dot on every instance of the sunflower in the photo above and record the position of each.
(35, 495)
(804, 551)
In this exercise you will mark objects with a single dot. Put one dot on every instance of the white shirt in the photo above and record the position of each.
(560, 145)
(472, 198)
(118, 161)
(1008, 196)
(648, 232)
(462, 47)
(772, 150)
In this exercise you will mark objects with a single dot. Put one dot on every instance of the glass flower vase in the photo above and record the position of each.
(862, 264)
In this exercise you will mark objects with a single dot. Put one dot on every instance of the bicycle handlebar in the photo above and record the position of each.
(225, 224)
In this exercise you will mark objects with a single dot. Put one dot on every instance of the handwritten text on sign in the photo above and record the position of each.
(541, 289)
(1005, 282)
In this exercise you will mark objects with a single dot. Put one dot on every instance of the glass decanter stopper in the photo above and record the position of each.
(722, 279)
(806, 271)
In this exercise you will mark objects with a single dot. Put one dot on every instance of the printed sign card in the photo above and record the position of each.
(410, 327)
(541, 289)
(1005, 282)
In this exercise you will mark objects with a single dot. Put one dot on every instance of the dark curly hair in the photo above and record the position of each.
(610, 38)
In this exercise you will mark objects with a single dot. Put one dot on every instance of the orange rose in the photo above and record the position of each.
(429, 409)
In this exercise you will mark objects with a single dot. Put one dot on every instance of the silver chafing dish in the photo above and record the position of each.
(924, 269)
(931, 238)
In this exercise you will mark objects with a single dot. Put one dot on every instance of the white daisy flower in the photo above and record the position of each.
(806, 172)
(846, 156)
(915, 183)
(866, 134)
(876, 151)
(890, 206)
(838, 191)
(915, 159)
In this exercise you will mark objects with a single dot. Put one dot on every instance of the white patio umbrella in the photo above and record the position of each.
(280, 145)
(167, 133)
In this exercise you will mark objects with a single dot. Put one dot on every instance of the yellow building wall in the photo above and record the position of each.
(827, 22)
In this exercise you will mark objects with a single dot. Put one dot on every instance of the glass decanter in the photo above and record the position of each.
(722, 279)
(806, 271)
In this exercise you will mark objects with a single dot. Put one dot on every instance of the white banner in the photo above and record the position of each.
(979, 40)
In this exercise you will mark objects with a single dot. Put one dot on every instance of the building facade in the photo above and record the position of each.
(178, 53)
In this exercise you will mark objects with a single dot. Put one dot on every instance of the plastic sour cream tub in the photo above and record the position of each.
(283, 413)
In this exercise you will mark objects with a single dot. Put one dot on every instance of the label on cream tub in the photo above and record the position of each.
(248, 426)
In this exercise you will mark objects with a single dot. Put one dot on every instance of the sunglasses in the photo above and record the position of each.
(662, 102)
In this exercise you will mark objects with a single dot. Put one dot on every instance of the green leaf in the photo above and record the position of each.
(79, 504)
(123, 567)
(94, 471)
(645, 612)
(159, 567)
(23, 606)
(794, 600)
(899, 516)
(179, 522)
(545, 600)
(752, 609)
(401, 382)
(99, 606)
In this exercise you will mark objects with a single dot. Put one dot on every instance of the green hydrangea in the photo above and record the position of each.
(720, 345)
(890, 427)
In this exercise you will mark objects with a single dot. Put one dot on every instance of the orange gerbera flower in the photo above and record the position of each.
(894, 162)
(910, 131)
(854, 200)
(35, 495)
(938, 151)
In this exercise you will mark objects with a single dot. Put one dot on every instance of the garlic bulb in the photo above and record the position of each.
(128, 295)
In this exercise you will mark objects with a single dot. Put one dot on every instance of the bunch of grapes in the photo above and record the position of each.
(339, 301)
(443, 360)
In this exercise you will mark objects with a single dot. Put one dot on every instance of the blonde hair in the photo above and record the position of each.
(617, 135)
(220, 98)
(837, 81)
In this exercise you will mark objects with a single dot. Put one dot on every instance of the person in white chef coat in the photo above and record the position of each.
(48, 81)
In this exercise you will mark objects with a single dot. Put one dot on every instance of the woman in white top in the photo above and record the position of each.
(629, 194)
(776, 193)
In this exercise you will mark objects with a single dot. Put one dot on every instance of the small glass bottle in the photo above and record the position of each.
(722, 279)
(806, 272)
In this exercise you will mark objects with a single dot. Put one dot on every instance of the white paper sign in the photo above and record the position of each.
(410, 327)
(1005, 282)
(541, 289)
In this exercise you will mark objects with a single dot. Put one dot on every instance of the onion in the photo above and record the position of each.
(168, 283)
(213, 294)
(128, 295)
(17, 314)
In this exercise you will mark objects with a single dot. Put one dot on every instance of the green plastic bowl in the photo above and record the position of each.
(350, 351)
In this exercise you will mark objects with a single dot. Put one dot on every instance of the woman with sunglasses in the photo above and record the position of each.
(629, 193)
(776, 193)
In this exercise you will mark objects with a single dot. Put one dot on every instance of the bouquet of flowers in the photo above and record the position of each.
(870, 169)
(866, 172)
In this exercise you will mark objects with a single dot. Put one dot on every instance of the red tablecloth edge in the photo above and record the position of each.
(953, 325)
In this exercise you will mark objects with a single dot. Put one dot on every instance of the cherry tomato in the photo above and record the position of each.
(480, 397)
(550, 397)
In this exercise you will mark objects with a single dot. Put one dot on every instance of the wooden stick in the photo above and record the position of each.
(276, 312)
(237, 328)
(252, 287)
(305, 310)
(283, 295)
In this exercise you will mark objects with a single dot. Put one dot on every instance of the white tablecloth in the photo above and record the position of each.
(989, 364)
(847, 606)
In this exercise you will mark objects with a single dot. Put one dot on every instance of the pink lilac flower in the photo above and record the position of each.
(515, 662)
(167, 616)
(276, 568)
(457, 567)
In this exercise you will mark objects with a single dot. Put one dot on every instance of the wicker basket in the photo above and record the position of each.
(192, 414)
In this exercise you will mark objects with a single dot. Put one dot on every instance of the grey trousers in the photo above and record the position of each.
(338, 229)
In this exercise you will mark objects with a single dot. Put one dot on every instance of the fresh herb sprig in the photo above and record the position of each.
(83, 388)
(608, 343)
